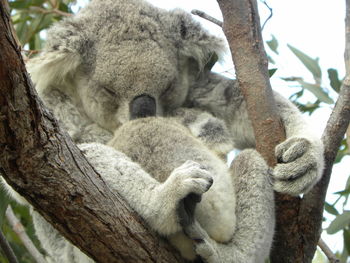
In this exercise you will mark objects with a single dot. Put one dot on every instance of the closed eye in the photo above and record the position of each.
(110, 91)
(168, 90)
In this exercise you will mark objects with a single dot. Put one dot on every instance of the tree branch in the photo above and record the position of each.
(207, 17)
(19, 230)
(36, 157)
(242, 30)
(328, 252)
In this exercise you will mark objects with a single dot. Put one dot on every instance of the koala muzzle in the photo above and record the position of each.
(142, 106)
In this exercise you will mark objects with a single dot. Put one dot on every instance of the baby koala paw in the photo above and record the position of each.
(189, 182)
(190, 178)
(178, 196)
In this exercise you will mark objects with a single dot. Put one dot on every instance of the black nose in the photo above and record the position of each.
(142, 106)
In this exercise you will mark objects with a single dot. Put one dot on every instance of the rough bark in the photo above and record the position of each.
(298, 222)
(242, 30)
(42, 163)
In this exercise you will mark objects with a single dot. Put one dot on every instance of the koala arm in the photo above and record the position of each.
(300, 156)
(157, 203)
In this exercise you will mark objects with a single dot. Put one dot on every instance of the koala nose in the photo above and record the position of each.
(142, 106)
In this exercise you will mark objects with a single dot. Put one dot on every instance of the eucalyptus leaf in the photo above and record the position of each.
(273, 44)
(19, 4)
(331, 209)
(272, 71)
(340, 222)
(317, 91)
(311, 64)
(334, 79)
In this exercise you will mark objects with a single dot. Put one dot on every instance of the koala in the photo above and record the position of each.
(117, 61)
(163, 148)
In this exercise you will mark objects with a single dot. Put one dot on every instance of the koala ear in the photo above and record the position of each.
(59, 62)
(192, 41)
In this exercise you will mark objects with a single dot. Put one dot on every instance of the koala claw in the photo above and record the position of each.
(299, 166)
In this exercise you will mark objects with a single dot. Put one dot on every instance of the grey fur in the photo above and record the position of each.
(96, 62)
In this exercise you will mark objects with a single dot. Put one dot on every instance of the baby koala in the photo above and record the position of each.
(200, 190)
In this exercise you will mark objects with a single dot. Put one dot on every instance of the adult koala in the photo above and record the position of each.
(97, 63)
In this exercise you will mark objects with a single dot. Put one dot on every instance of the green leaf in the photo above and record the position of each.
(4, 201)
(334, 79)
(273, 44)
(314, 89)
(18, 4)
(311, 64)
(317, 91)
(272, 71)
(331, 209)
(346, 235)
(339, 223)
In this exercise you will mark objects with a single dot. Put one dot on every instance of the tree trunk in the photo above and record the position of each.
(298, 222)
(37, 157)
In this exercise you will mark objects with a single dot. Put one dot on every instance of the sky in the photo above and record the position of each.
(316, 27)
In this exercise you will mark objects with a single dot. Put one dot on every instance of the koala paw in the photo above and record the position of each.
(190, 181)
(177, 198)
(191, 178)
(300, 164)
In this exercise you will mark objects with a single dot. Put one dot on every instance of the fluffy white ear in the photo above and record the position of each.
(192, 40)
(58, 64)
(53, 69)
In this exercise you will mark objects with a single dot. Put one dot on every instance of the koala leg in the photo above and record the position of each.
(252, 239)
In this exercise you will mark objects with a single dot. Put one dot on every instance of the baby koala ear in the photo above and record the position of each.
(192, 41)
(62, 56)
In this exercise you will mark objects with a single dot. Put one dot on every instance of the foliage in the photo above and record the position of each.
(32, 17)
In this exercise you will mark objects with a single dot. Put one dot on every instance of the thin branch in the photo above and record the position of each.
(271, 14)
(207, 17)
(49, 11)
(327, 251)
(6, 248)
(19, 230)
(311, 209)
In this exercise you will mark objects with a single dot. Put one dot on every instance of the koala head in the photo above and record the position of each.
(124, 59)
